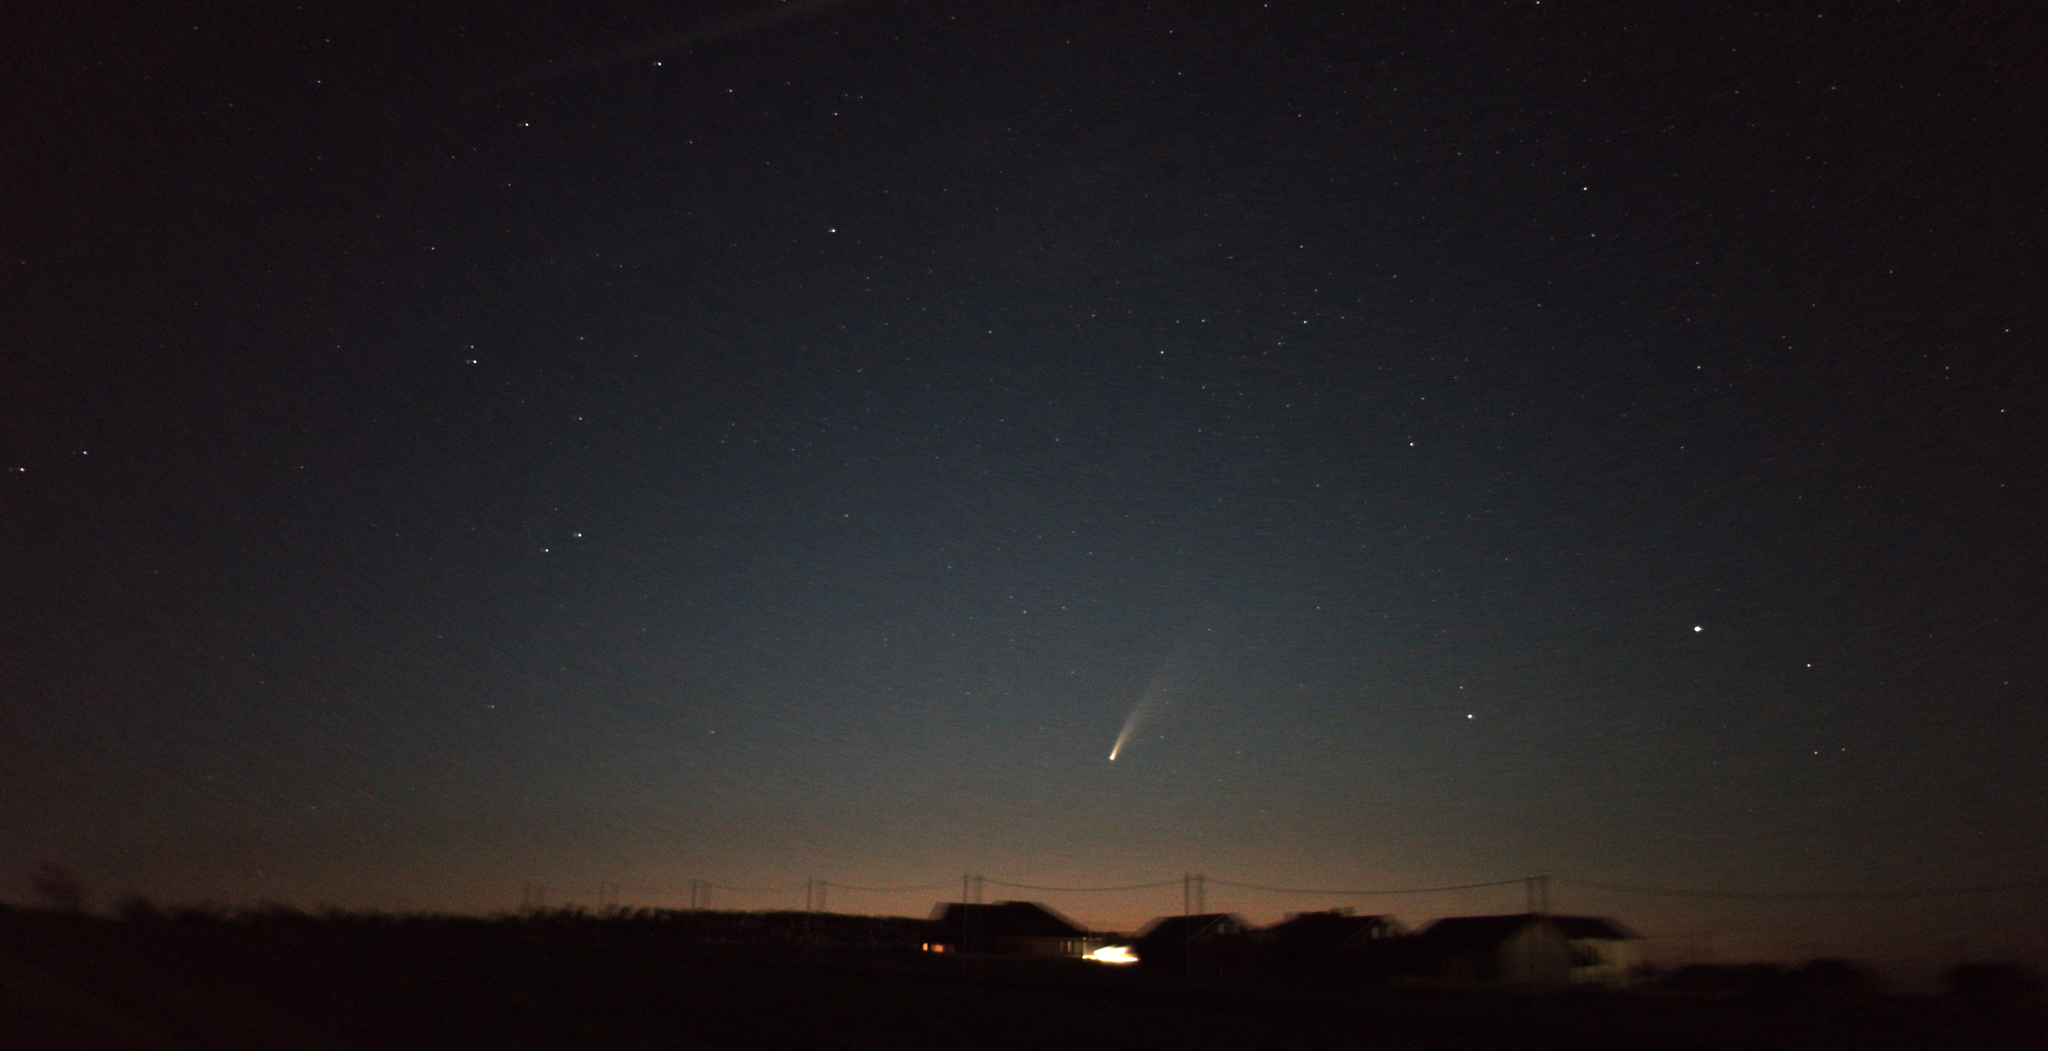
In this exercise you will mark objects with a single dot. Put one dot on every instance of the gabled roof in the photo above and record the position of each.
(1485, 932)
(1579, 928)
(1005, 919)
(1315, 931)
(1174, 930)
(1474, 932)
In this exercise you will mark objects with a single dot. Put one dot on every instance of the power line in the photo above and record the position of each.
(705, 884)
(787, 888)
(1839, 895)
(1083, 890)
(535, 893)
(1364, 893)
(888, 890)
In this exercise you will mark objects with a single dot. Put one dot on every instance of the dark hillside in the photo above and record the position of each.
(732, 981)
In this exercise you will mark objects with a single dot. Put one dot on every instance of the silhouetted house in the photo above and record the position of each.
(1020, 928)
(1833, 979)
(1336, 940)
(1997, 989)
(1209, 936)
(1526, 949)
(1603, 951)
(1724, 979)
(1825, 980)
(1330, 931)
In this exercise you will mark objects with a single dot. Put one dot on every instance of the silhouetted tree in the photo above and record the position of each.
(1996, 988)
(59, 887)
(1833, 978)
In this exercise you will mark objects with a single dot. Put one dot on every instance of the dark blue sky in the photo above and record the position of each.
(525, 444)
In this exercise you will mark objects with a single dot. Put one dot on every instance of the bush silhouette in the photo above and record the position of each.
(59, 887)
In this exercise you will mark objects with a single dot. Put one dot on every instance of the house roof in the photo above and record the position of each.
(1178, 929)
(1005, 919)
(1479, 932)
(1310, 931)
(1593, 927)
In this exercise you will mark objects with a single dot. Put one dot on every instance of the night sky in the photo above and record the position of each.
(546, 444)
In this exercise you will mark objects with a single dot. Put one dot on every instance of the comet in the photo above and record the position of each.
(1155, 694)
(1171, 676)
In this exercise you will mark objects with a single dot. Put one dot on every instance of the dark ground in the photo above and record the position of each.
(710, 981)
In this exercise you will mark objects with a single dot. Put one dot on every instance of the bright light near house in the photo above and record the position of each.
(1112, 954)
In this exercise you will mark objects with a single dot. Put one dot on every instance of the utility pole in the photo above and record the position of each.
(1193, 895)
(970, 915)
(1537, 890)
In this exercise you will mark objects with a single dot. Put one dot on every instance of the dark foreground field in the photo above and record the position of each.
(283, 979)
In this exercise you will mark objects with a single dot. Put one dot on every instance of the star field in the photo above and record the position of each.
(458, 452)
